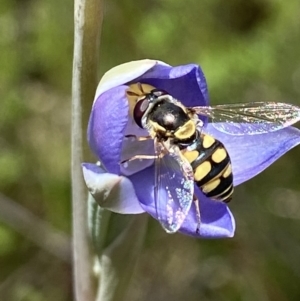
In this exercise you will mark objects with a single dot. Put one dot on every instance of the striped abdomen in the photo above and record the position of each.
(212, 168)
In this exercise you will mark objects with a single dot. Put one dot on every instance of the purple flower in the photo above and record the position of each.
(129, 190)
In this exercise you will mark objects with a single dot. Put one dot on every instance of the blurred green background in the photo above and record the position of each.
(249, 51)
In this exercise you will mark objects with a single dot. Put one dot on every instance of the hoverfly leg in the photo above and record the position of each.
(140, 157)
(141, 138)
(196, 202)
(148, 157)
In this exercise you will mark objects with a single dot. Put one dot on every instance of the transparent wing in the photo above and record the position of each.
(251, 118)
(174, 187)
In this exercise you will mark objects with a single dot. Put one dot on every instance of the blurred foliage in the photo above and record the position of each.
(249, 51)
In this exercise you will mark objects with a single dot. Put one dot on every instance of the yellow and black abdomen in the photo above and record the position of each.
(212, 168)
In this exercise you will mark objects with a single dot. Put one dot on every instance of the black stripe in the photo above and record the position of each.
(216, 169)
(204, 153)
(224, 184)
(226, 196)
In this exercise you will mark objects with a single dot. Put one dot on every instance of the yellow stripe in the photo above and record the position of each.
(186, 131)
(156, 127)
(211, 185)
(202, 170)
(191, 155)
(219, 155)
(227, 171)
(208, 141)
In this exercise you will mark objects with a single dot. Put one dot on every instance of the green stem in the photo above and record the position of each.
(119, 258)
(87, 28)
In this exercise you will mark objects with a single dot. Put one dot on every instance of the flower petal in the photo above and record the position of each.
(187, 83)
(110, 191)
(251, 154)
(124, 73)
(216, 219)
(108, 120)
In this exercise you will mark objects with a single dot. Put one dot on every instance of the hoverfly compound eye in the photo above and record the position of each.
(139, 111)
(145, 104)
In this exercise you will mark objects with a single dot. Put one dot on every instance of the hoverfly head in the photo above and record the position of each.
(144, 106)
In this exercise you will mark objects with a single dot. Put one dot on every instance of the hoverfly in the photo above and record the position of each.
(185, 155)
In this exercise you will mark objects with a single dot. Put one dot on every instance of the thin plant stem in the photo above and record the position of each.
(87, 29)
